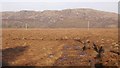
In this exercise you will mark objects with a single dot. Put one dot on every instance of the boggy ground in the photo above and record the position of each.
(58, 47)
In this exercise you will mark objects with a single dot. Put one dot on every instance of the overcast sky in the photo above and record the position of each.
(40, 5)
(59, 0)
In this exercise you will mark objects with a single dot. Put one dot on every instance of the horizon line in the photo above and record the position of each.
(56, 10)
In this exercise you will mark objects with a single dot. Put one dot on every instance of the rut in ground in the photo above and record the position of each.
(73, 56)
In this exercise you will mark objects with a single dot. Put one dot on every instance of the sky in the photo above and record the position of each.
(59, 0)
(40, 5)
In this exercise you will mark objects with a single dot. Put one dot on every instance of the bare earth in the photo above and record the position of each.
(58, 47)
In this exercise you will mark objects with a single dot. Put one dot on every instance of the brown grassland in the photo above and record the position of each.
(59, 47)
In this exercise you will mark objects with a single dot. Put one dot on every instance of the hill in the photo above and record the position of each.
(67, 18)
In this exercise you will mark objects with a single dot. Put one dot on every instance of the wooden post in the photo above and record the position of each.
(88, 25)
(26, 26)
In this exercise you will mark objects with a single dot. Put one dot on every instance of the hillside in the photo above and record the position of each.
(67, 18)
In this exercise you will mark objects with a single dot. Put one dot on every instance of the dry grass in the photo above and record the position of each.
(47, 47)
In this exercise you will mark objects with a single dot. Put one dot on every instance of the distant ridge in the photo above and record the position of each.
(67, 18)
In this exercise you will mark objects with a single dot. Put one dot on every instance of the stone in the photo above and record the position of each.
(44, 48)
(51, 48)
(51, 55)
(66, 37)
(116, 45)
(102, 39)
(88, 41)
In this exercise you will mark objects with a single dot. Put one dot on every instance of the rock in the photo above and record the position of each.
(41, 38)
(44, 48)
(102, 39)
(117, 48)
(65, 38)
(97, 41)
(101, 45)
(24, 44)
(83, 42)
(113, 43)
(77, 38)
(51, 48)
(24, 38)
(88, 41)
(116, 64)
(105, 63)
(116, 45)
(51, 55)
